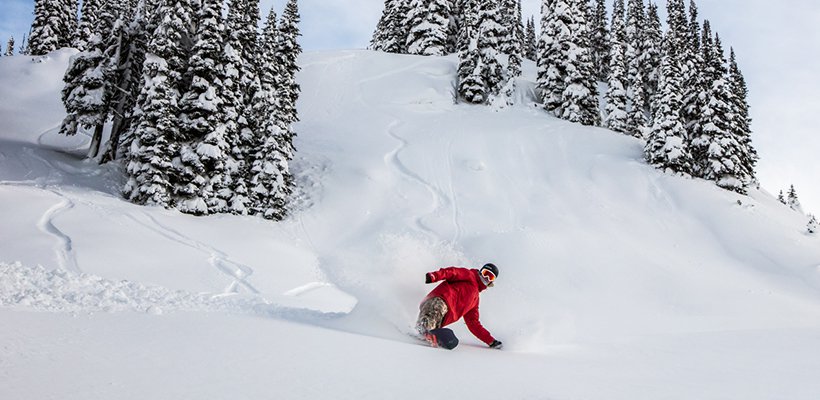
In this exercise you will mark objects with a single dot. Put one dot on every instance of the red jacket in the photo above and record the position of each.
(460, 291)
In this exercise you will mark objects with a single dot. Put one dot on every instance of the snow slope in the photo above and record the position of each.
(617, 281)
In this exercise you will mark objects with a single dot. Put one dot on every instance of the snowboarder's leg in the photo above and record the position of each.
(431, 315)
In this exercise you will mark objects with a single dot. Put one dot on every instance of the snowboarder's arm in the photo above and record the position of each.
(475, 327)
(449, 274)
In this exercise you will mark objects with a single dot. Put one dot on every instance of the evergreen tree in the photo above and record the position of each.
(85, 96)
(10, 47)
(637, 99)
(511, 43)
(812, 225)
(270, 177)
(600, 40)
(695, 82)
(204, 148)
(553, 54)
(741, 121)
(580, 97)
(666, 147)
(49, 28)
(781, 198)
(792, 200)
(470, 82)
(616, 94)
(390, 35)
(653, 49)
(530, 47)
(428, 25)
(491, 33)
(133, 43)
(719, 150)
(454, 26)
(154, 145)
(89, 22)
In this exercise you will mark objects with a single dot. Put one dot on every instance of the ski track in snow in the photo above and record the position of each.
(66, 257)
(439, 200)
(238, 273)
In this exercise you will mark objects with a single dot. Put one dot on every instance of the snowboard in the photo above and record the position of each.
(445, 338)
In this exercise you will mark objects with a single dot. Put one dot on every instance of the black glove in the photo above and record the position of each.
(496, 345)
(428, 278)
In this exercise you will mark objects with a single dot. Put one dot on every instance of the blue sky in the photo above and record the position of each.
(778, 49)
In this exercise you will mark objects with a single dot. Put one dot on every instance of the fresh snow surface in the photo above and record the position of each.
(617, 281)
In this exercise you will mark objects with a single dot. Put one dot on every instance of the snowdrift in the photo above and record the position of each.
(616, 281)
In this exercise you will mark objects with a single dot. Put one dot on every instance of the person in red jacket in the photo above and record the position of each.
(456, 297)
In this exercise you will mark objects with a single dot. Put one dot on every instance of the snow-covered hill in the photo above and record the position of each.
(617, 281)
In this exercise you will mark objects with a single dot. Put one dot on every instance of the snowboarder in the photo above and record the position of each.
(456, 297)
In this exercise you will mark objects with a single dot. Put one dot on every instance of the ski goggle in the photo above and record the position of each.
(488, 275)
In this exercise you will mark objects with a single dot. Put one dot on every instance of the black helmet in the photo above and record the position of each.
(491, 267)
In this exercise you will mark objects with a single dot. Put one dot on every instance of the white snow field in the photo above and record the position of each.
(616, 281)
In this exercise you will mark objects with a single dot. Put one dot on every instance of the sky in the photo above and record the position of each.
(778, 50)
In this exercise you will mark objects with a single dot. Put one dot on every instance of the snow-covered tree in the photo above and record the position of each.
(717, 150)
(391, 35)
(812, 225)
(580, 96)
(155, 142)
(428, 24)
(270, 182)
(695, 81)
(89, 22)
(781, 198)
(741, 121)
(470, 81)
(553, 53)
(530, 49)
(204, 148)
(85, 95)
(131, 46)
(666, 147)
(652, 51)
(600, 40)
(10, 47)
(491, 33)
(616, 119)
(636, 70)
(792, 201)
(511, 43)
(51, 28)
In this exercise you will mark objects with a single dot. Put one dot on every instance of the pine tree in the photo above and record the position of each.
(600, 41)
(553, 54)
(666, 147)
(85, 96)
(695, 82)
(89, 22)
(150, 162)
(653, 49)
(48, 29)
(616, 94)
(636, 97)
(10, 47)
(781, 198)
(741, 121)
(154, 145)
(470, 82)
(511, 43)
(530, 48)
(580, 97)
(390, 35)
(812, 225)
(792, 201)
(719, 150)
(491, 33)
(429, 23)
(132, 49)
(204, 148)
